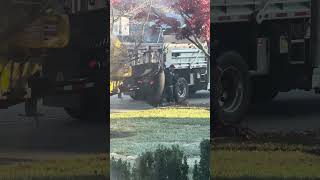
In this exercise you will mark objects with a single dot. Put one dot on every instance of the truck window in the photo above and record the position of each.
(175, 54)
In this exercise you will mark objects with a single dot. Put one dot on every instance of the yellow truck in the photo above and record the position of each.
(24, 29)
(119, 65)
(57, 51)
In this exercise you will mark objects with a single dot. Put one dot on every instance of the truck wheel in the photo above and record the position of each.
(137, 96)
(233, 88)
(155, 96)
(181, 90)
(95, 111)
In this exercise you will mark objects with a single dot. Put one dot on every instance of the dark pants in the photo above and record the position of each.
(169, 93)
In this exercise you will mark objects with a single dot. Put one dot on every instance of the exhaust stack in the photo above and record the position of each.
(315, 44)
(315, 32)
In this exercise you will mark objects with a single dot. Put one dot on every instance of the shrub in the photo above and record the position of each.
(201, 171)
(163, 164)
(205, 159)
(120, 170)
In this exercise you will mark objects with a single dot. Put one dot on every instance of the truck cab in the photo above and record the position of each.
(190, 64)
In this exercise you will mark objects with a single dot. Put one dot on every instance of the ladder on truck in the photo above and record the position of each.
(224, 11)
(144, 53)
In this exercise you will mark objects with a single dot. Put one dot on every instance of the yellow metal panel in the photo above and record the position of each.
(118, 59)
(26, 70)
(114, 85)
(1, 67)
(46, 32)
(15, 75)
(5, 78)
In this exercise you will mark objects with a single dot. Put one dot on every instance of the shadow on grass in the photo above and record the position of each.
(121, 134)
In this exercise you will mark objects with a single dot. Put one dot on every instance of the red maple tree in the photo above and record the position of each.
(195, 16)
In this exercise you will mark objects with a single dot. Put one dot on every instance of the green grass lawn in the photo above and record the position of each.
(135, 132)
(83, 168)
(265, 165)
(274, 158)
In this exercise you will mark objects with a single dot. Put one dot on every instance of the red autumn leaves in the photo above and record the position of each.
(195, 14)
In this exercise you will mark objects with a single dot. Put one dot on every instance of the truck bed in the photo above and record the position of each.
(224, 11)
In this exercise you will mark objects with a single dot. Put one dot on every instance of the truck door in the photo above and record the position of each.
(294, 45)
(298, 44)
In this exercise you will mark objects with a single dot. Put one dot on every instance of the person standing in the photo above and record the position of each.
(169, 83)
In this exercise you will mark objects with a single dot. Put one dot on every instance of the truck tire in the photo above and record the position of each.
(93, 105)
(95, 110)
(233, 88)
(181, 90)
(155, 95)
(137, 96)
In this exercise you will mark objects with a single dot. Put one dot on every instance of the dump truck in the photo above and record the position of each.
(261, 48)
(55, 51)
(148, 62)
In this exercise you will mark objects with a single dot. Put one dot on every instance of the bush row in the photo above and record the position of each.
(163, 164)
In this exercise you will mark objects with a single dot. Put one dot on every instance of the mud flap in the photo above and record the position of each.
(154, 98)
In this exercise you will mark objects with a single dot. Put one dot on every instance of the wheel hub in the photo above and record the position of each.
(231, 90)
(181, 90)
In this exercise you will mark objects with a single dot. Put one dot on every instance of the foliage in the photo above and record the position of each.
(201, 170)
(120, 170)
(163, 164)
(204, 164)
(196, 16)
(194, 13)
(196, 171)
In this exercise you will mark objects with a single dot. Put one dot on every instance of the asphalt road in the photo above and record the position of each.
(291, 111)
(60, 135)
(57, 135)
(126, 103)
